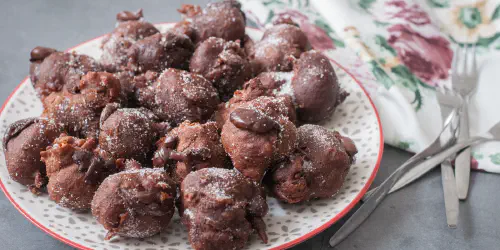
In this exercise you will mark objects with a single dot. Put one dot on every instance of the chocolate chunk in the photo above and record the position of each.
(39, 53)
(83, 159)
(129, 16)
(95, 170)
(176, 156)
(162, 156)
(252, 120)
(15, 129)
(171, 141)
(107, 111)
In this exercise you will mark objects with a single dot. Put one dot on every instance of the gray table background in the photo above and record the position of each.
(412, 218)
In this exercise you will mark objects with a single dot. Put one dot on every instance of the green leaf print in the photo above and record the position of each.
(251, 23)
(380, 24)
(322, 24)
(407, 79)
(438, 3)
(470, 17)
(411, 82)
(270, 16)
(405, 145)
(329, 31)
(366, 4)
(418, 100)
(270, 2)
(338, 43)
(495, 158)
(381, 75)
(496, 13)
(486, 42)
(380, 40)
(477, 156)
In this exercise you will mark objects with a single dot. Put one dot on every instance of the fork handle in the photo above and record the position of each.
(462, 162)
(450, 194)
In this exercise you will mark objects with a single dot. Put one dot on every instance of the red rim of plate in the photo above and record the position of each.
(283, 246)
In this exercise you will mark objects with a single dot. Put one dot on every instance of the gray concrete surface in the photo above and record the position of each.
(412, 218)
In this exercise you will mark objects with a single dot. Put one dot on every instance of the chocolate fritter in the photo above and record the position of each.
(179, 95)
(221, 209)
(267, 84)
(160, 51)
(22, 144)
(137, 46)
(278, 48)
(253, 94)
(51, 70)
(136, 203)
(116, 45)
(317, 169)
(74, 171)
(222, 19)
(315, 87)
(78, 114)
(224, 63)
(256, 135)
(128, 133)
(190, 147)
(185, 28)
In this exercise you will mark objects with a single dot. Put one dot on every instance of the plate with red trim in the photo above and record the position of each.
(287, 225)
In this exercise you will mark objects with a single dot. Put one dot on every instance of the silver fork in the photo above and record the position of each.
(464, 82)
(377, 196)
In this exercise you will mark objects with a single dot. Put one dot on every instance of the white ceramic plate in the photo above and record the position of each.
(287, 225)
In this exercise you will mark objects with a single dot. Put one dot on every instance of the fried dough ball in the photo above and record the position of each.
(74, 171)
(221, 209)
(257, 134)
(135, 203)
(317, 169)
(137, 46)
(128, 133)
(52, 71)
(22, 144)
(224, 63)
(315, 87)
(179, 96)
(190, 147)
(278, 48)
(161, 51)
(78, 114)
(222, 19)
(130, 29)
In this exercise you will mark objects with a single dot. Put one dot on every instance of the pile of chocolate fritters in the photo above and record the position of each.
(200, 118)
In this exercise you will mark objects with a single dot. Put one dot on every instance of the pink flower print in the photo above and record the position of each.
(429, 58)
(474, 164)
(412, 14)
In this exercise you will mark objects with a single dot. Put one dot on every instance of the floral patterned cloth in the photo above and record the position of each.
(401, 50)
